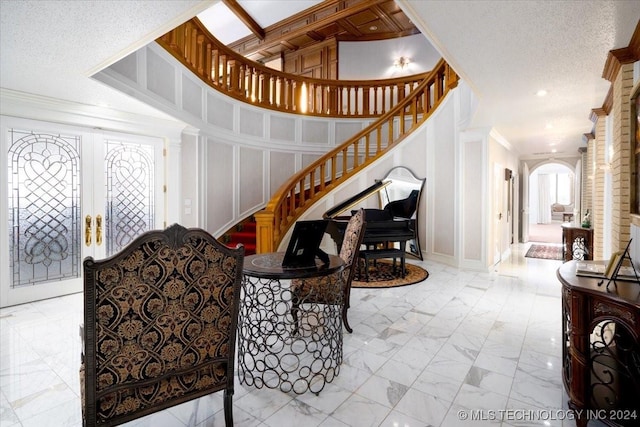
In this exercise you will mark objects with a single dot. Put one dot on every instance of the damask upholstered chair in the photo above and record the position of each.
(160, 322)
(322, 290)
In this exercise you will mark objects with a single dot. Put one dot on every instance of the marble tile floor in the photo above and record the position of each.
(420, 355)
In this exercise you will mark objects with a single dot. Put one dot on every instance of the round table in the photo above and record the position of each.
(272, 351)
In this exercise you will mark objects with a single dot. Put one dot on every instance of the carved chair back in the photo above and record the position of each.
(160, 322)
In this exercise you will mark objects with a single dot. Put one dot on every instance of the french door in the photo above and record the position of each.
(71, 193)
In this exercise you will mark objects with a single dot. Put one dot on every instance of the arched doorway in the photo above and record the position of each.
(551, 201)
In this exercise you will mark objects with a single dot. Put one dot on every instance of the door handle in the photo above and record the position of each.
(87, 230)
(98, 230)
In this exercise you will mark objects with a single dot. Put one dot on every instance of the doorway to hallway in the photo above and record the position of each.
(546, 233)
(551, 187)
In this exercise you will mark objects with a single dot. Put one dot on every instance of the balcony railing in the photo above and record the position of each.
(223, 69)
(310, 184)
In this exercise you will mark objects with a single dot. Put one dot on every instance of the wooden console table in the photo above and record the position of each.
(577, 242)
(601, 348)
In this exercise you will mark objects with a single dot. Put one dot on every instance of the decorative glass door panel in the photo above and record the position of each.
(71, 193)
(130, 193)
(44, 200)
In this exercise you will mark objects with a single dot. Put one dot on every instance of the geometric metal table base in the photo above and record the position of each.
(273, 353)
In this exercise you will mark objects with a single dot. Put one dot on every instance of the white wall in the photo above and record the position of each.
(373, 60)
(501, 157)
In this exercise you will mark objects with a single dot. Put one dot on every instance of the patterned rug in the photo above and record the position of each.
(381, 275)
(545, 251)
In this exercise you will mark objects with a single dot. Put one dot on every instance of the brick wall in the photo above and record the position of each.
(621, 160)
(586, 195)
(597, 148)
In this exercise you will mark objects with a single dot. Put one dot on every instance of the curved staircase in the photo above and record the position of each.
(244, 233)
(399, 105)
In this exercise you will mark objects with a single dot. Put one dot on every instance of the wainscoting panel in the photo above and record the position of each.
(219, 197)
(315, 131)
(250, 173)
(282, 166)
(219, 112)
(283, 128)
(251, 123)
(191, 96)
(160, 77)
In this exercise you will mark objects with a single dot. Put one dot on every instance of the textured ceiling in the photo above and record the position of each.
(506, 50)
(51, 47)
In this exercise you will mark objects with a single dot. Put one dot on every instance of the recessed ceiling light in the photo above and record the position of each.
(554, 150)
(373, 28)
(541, 92)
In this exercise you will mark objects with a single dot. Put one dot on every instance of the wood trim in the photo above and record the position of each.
(634, 44)
(378, 36)
(615, 59)
(387, 19)
(597, 113)
(300, 24)
(626, 55)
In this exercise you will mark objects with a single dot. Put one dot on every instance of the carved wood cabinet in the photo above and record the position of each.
(601, 348)
(577, 242)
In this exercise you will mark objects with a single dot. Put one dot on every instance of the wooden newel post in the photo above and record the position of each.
(265, 222)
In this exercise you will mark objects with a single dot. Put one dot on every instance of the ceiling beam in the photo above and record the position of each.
(388, 20)
(312, 19)
(242, 14)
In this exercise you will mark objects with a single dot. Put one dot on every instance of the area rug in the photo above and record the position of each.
(545, 252)
(381, 276)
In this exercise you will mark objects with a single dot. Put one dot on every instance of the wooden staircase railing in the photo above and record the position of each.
(225, 70)
(316, 180)
(400, 104)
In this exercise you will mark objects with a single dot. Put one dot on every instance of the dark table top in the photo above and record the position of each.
(627, 292)
(269, 266)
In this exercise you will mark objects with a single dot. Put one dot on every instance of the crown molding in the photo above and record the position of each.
(626, 55)
(38, 107)
(596, 113)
